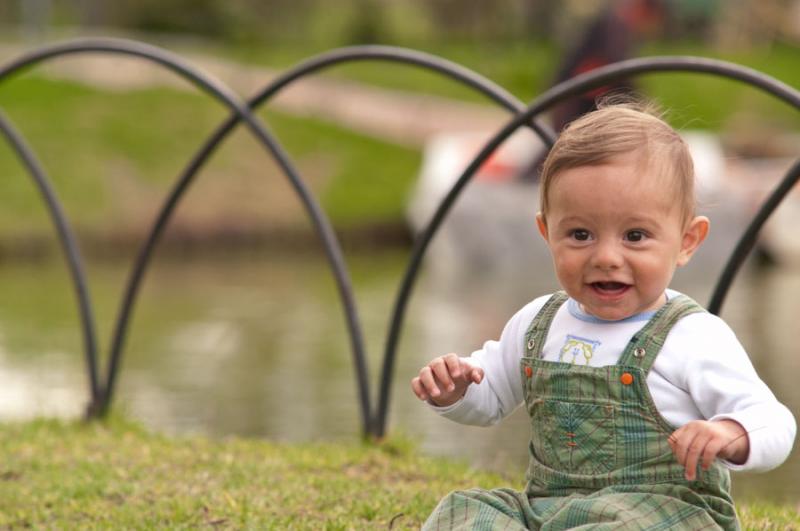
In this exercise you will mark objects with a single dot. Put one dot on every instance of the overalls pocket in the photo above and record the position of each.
(574, 437)
(571, 436)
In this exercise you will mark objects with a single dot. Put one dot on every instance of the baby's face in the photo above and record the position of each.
(616, 236)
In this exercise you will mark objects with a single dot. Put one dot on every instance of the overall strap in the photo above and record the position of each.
(537, 331)
(645, 345)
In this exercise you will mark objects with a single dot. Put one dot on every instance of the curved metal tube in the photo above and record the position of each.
(374, 424)
(571, 87)
(748, 239)
(307, 67)
(69, 245)
(220, 92)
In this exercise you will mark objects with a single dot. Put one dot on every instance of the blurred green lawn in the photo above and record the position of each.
(112, 155)
(527, 68)
(103, 149)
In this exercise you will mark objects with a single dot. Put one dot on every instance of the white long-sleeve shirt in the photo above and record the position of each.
(702, 372)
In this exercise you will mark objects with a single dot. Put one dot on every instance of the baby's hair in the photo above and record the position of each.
(619, 128)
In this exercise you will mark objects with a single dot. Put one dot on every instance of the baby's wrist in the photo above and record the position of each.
(447, 403)
(738, 449)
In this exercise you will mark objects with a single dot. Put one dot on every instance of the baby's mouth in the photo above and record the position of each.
(609, 287)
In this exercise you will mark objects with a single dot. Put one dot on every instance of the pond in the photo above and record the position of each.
(255, 345)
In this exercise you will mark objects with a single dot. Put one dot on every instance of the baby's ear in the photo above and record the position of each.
(693, 236)
(540, 222)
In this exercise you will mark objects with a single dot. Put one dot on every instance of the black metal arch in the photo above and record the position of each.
(560, 92)
(305, 68)
(372, 422)
(218, 91)
(69, 246)
(748, 239)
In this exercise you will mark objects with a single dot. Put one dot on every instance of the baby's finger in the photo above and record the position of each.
(696, 448)
(672, 440)
(416, 386)
(453, 365)
(429, 382)
(472, 373)
(711, 452)
(679, 444)
(442, 373)
(682, 439)
(476, 375)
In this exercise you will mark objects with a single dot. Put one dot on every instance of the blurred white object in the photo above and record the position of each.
(491, 226)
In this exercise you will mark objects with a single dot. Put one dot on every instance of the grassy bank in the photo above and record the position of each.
(117, 475)
(526, 68)
(112, 157)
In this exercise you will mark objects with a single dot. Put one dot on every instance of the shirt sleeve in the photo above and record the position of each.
(500, 392)
(724, 385)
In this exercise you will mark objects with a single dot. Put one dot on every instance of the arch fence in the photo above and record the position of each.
(373, 418)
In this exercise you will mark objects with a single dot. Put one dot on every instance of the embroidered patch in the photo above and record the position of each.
(577, 350)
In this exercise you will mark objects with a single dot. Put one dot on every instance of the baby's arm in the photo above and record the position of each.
(481, 398)
(709, 439)
(718, 375)
(445, 379)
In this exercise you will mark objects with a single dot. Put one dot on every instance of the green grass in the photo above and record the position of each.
(707, 102)
(527, 67)
(112, 157)
(116, 475)
(368, 181)
(524, 68)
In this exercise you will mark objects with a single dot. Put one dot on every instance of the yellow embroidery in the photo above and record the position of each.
(577, 350)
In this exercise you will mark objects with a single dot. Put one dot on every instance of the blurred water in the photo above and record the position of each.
(256, 346)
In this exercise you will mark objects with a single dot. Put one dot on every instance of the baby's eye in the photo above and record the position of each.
(581, 235)
(635, 235)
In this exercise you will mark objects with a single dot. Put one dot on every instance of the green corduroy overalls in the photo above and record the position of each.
(599, 457)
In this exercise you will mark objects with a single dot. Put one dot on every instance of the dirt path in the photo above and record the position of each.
(396, 116)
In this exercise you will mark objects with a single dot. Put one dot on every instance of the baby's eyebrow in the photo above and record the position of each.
(641, 220)
(633, 222)
(570, 220)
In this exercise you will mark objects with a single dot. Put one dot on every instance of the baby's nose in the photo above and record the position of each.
(607, 255)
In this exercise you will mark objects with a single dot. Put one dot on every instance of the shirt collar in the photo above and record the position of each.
(577, 312)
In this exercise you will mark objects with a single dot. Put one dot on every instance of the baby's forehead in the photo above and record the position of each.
(634, 186)
(635, 169)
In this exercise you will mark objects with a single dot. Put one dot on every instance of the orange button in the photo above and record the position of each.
(528, 372)
(626, 378)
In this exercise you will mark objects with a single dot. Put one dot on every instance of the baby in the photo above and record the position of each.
(640, 401)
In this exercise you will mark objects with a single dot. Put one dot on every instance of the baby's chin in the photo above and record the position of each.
(608, 314)
(620, 311)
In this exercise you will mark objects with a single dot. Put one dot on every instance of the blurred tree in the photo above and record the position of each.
(237, 20)
(321, 23)
(205, 17)
(269, 20)
(691, 19)
(790, 27)
(476, 18)
(93, 12)
(367, 24)
(35, 16)
(746, 23)
(539, 18)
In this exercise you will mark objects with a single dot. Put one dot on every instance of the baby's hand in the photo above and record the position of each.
(445, 380)
(723, 438)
